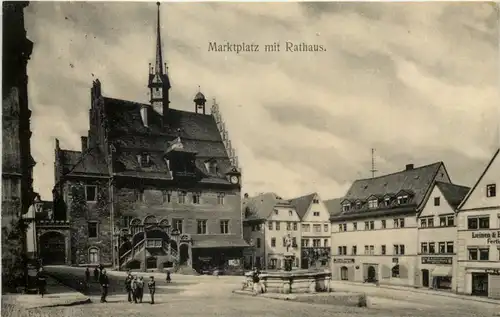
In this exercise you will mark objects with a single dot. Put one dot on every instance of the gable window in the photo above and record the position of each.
(270, 225)
(93, 229)
(358, 205)
(290, 213)
(481, 222)
(373, 203)
(402, 200)
(423, 248)
(90, 192)
(491, 190)
(277, 225)
(315, 201)
(273, 242)
(196, 198)
(325, 227)
(276, 211)
(202, 227)
(144, 160)
(220, 199)
(182, 197)
(346, 207)
(167, 196)
(316, 214)
(224, 226)
(437, 201)
(384, 225)
(295, 226)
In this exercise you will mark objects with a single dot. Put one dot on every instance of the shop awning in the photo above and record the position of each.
(218, 241)
(441, 271)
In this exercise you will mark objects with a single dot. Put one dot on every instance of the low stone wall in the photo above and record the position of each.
(289, 282)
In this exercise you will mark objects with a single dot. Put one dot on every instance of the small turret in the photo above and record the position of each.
(199, 102)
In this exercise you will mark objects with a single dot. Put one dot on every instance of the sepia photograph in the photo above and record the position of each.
(289, 158)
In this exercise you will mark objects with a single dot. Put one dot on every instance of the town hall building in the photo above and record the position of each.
(152, 186)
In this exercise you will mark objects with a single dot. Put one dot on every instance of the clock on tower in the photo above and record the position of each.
(157, 93)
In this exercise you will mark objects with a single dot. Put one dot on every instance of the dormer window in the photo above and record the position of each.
(387, 201)
(211, 166)
(373, 203)
(358, 205)
(144, 159)
(346, 207)
(402, 200)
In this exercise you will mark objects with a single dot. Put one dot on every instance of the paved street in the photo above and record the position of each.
(211, 296)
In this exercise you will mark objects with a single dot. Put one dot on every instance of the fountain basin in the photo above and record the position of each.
(287, 282)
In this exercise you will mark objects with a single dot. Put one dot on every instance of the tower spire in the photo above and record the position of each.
(159, 58)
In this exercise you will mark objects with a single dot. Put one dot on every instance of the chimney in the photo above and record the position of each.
(85, 143)
(409, 167)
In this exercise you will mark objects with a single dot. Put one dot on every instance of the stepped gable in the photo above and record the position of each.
(454, 194)
(415, 182)
(302, 204)
(198, 134)
(91, 162)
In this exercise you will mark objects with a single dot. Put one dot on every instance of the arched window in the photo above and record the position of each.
(150, 220)
(94, 255)
(164, 223)
(395, 271)
(344, 273)
(135, 226)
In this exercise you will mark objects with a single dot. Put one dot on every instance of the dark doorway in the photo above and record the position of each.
(134, 265)
(151, 263)
(480, 284)
(344, 271)
(183, 254)
(425, 278)
(372, 275)
(52, 248)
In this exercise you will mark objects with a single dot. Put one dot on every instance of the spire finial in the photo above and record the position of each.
(199, 88)
(159, 59)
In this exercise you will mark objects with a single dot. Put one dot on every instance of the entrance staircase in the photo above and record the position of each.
(137, 253)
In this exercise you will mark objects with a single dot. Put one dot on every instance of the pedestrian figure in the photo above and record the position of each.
(96, 274)
(256, 281)
(104, 282)
(152, 288)
(135, 292)
(87, 277)
(41, 280)
(140, 288)
(128, 286)
(168, 277)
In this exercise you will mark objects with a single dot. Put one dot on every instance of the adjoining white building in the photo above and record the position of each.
(437, 233)
(272, 226)
(478, 263)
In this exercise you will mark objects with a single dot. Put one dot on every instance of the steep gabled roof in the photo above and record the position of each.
(479, 179)
(261, 206)
(302, 204)
(334, 206)
(454, 194)
(92, 161)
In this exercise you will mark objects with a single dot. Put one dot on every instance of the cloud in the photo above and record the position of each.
(416, 81)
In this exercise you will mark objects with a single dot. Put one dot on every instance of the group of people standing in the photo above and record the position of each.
(135, 288)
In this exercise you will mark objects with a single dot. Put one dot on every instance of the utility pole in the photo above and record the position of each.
(373, 170)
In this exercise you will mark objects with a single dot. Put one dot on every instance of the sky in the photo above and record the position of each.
(418, 82)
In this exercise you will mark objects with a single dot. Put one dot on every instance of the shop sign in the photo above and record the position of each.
(493, 271)
(492, 237)
(437, 260)
(345, 261)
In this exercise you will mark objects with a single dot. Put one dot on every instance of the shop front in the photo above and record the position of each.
(215, 253)
(343, 269)
(437, 272)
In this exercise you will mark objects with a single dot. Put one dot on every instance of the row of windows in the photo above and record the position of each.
(481, 254)
(370, 225)
(443, 247)
(277, 225)
(316, 243)
(398, 249)
(316, 228)
(376, 203)
(91, 195)
(284, 242)
(444, 221)
(176, 224)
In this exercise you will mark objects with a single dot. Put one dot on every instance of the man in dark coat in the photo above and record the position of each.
(41, 280)
(128, 286)
(104, 282)
(152, 288)
(87, 277)
(96, 274)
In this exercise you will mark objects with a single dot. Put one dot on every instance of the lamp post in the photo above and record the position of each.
(252, 246)
(117, 234)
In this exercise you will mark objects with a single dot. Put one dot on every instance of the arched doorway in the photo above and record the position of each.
(425, 278)
(52, 248)
(183, 254)
(94, 258)
(344, 273)
(371, 274)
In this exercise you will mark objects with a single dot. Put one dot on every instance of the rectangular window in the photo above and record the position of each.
(90, 192)
(432, 248)
(288, 226)
(224, 226)
(396, 249)
(294, 242)
(346, 208)
(449, 247)
(167, 196)
(196, 198)
(273, 242)
(178, 224)
(423, 223)
(423, 248)
(220, 199)
(258, 243)
(450, 221)
(305, 243)
(366, 250)
(401, 249)
(325, 227)
(317, 228)
(442, 247)
(481, 222)
(202, 227)
(306, 228)
(402, 200)
(290, 213)
(93, 229)
(442, 221)
(430, 222)
(372, 225)
(277, 224)
(295, 226)
(270, 225)
(139, 195)
(399, 223)
(473, 254)
(383, 250)
(344, 250)
(182, 197)
(354, 250)
(316, 243)
(315, 201)
(384, 225)
(484, 254)
(491, 190)
(325, 243)
(355, 226)
(372, 204)
(437, 201)
(316, 214)
(372, 250)
(367, 225)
